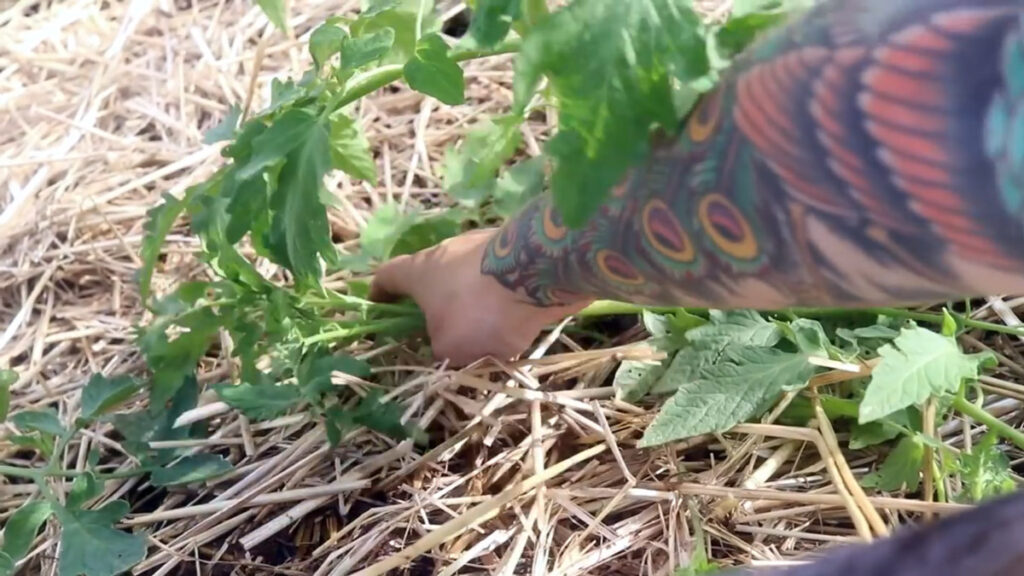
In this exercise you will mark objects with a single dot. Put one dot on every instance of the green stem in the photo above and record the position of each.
(40, 473)
(929, 317)
(419, 19)
(937, 484)
(344, 302)
(613, 308)
(1001, 428)
(18, 472)
(610, 307)
(404, 323)
(368, 83)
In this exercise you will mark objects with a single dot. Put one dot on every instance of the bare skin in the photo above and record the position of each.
(866, 155)
(469, 315)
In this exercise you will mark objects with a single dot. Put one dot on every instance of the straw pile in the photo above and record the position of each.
(102, 107)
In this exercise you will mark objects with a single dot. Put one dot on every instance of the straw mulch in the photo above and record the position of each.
(102, 107)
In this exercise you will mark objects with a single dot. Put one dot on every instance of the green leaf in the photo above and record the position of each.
(288, 132)
(687, 366)
(276, 13)
(358, 289)
(810, 337)
(737, 327)
(190, 469)
(182, 300)
(611, 66)
(426, 233)
(859, 336)
(864, 342)
(470, 169)
(7, 379)
(360, 51)
(283, 94)
(42, 443)
(248, 208)
(20, 531)
(226, 129)
(357, 263)
(877, 332)
(744, 383)
(210, 222)
(655, 324)
(157, 423)
(371, 412)
(326, 41)
(492, 19)
(669, 330)
(901, 469)
(372, 8)
(314, 373)
(905, 421)
(262, 401)
(681, 322)
(103, 394)
(799, 412)
(517, 186)
(400, 17)
(159, 221)
(299, 233)
(985, 471)
(173, 361)
(83, 489)
(90, 546)
(432, 72)
(949, 324)
(635, 378)
(383, 229)
(918, 364)
(739, 32)
(350, 150)
(871, 434)
(44, 421)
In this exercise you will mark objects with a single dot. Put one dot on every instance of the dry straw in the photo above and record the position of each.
(102, 107)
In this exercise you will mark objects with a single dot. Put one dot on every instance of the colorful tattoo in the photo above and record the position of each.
(870, 153)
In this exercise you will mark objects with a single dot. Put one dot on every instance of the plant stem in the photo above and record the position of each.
(19, 472)
(40, 473)
(929, 317)
(938, 485)
(344, 302)
(978, 414)
(378, 78)
(401, 323)
(613, 308)
(610, 307)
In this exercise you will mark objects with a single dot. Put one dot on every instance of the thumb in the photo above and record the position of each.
(392, 280)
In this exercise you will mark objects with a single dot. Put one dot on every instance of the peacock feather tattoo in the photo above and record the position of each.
(870, 152)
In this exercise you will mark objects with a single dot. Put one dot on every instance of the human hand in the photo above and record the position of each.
(469, 315)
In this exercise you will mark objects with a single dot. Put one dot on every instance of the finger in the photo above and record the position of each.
(391, 282)
(470, 342)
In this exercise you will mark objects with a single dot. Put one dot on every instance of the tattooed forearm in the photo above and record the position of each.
(870, 153)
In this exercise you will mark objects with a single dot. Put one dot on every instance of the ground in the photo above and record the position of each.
(104, 104)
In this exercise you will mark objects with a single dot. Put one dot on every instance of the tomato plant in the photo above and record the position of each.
(615, 72)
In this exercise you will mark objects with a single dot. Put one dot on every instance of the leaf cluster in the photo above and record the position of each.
(614, 71)
(734, 367)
